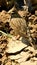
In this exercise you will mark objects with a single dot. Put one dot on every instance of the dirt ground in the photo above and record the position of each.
(18, 37)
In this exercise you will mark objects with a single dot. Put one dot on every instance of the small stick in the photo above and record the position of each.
(8, 35)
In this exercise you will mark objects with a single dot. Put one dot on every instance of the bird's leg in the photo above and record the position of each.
(17, 37)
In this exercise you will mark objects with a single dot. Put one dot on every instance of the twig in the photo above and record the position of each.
(8, 35)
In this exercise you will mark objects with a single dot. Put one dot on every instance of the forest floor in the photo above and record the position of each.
(17, 51)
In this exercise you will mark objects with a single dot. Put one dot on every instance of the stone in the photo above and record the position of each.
(14, 57)
(28, 63)
(23, 58)
(15, 46)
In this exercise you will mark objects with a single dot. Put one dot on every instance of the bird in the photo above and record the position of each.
(19, 26)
